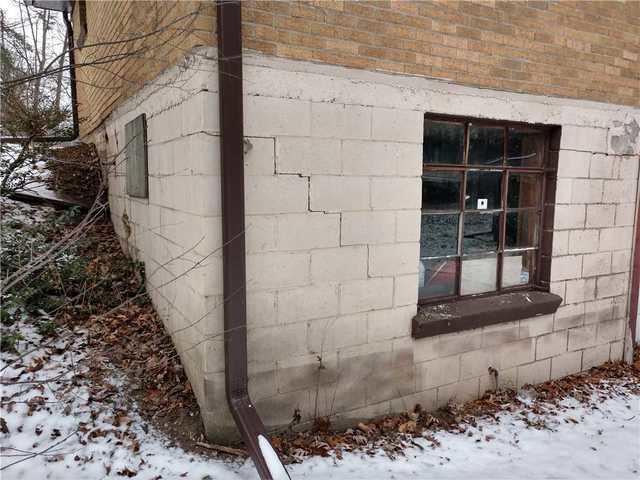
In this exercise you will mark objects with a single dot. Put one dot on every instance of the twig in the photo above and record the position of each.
(221, 448)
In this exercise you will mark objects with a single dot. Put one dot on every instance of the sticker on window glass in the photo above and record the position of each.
(482, 203)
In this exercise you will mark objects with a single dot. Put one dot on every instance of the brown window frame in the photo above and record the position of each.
(547, 171)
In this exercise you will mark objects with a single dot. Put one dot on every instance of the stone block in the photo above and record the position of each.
(598, 311)
(277, 270)
(340, 121)
(586, 191)
(261, 233)
(369, 227)
(308, 156)
(459, 342)
(584, 139)
(500, 333)
(306, 303)
(610, 331)
(329, 334)
(307, 231)
(506, 379)
(396, 193)
(580, 290)
(405, 290)
(389, 324)
(583, 241)
(551, 344)
(338, 194)
(275, 194)
(261, 309)
(408, 225)
(277, 342)
(339, 264)
(617, 349)
(619, 191)
(582, 337)
(595, 356)
(616, 238)
(560, 243)
(596, 264)
(393, 259)
(397, 125)
(621, 261)
(625, 214)
(535, 372)
(365, 295)
(532, 327)
(568, 316)
(426, 399)
(381, 158)
(573, 164)
(565, 268)
(602, 166)
(459, 392)
(268, 117)
(307, 371)
(437, 372)
(569, 217)
(611, 285)
(566, 364)
(599, 216)
(259, 158)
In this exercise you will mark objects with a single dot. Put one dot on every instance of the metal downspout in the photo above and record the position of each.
(234, 270)
(74, 96)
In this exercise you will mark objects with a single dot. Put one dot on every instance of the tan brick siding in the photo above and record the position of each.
(585, 50)
(135, 41)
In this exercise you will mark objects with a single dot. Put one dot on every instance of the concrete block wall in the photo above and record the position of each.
(333, 194)
(176, 231)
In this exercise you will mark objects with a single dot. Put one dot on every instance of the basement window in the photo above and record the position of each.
(488, 190)
(135, 134)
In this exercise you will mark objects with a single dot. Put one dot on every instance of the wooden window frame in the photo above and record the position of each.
(544, 207)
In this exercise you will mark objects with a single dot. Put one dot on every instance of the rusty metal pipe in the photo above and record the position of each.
(233, 254)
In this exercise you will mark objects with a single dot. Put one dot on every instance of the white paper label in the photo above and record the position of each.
(482, 203)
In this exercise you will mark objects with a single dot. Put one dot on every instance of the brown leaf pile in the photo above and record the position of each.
(75, 172)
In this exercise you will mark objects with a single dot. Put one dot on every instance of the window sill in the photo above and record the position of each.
(465, 314)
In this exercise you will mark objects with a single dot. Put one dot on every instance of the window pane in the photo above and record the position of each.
(441, 191)
(481, 232)
(439, 235)
(517, 268)
(483, 190)
(443, 142)
(437, 277)
(486, 145)
(478, 275)
(525, 147)
(521, 229)
(523, 190)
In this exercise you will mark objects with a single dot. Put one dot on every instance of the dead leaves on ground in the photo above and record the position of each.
(393, 434)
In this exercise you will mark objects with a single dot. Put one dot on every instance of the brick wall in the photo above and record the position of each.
(586, 50)
(135, 41)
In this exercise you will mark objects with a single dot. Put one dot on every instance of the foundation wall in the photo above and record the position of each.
(333, 193)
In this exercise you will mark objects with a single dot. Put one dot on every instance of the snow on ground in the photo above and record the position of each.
(71, 429)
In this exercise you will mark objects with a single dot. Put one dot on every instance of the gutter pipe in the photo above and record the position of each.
(265, 459)
(74, 96)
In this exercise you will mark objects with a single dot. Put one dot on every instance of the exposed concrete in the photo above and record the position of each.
(333, 194)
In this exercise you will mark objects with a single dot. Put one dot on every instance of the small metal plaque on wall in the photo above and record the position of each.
(135, 134)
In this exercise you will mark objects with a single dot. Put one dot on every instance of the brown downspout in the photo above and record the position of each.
(233, 253)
